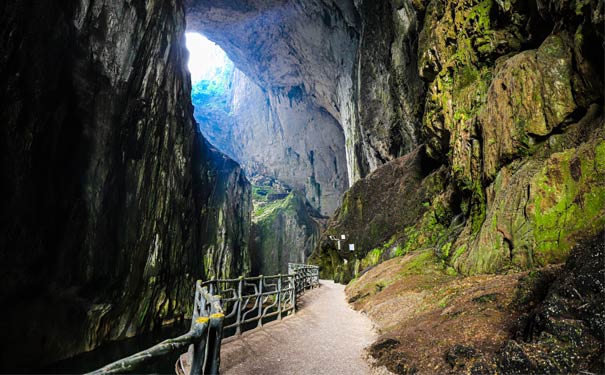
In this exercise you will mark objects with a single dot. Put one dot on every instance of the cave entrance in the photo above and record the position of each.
(211, 77)
(207, 61)
(248, 124)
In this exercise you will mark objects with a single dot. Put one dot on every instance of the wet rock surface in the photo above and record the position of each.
(564, 332)
(110, 196)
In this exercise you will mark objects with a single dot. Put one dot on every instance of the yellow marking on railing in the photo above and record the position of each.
(217, 315)
(202, 319)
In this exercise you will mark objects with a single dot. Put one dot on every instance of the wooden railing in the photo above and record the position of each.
(247, 300)
(253, 299)
(203, 339)
(306, 276)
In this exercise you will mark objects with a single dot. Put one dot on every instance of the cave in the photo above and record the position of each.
(402, 146)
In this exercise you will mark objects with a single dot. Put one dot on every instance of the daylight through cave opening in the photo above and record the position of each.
(236, 116)
(211, 75)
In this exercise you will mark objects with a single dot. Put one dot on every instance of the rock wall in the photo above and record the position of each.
(513, 111)
(561, 329)
(282, 135)
(112, 202)
(283, 231)
(347, 63)
(372, 214)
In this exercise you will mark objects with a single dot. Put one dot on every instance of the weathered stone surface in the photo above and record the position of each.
(225, 216)
(457, 46)
(390, 90)
(374, 211)
(539, 208)
(326, 51)
(283, 231)
(107, 186)
(529, 97)
(564, 333)
(283, 135)
(494, 112)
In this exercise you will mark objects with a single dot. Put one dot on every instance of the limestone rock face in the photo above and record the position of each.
(225, 216)
(283, 231)
(513, 112)
(348, 63)
(538, 208)
(110, 196)
(530, 96)
(372, 213)
(283, 135)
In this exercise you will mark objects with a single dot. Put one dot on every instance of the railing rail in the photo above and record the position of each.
(203, 340)
(245, 299)
(306, 276)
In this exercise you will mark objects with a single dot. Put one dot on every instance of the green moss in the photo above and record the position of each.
(260, 193)
(567, 205)
(459, 251)
(372, 258)
(398, 251)
(420, 263)
(273, 240)
(445, 250)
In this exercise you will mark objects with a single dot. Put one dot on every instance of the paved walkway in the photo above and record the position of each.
(324, 337)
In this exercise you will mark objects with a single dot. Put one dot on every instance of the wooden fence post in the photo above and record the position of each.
(293, 292)
(279, 288)
(215, 336)
(240, 289)
(197, 350)
(261, 281)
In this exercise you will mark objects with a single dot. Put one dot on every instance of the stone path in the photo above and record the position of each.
(324, 337)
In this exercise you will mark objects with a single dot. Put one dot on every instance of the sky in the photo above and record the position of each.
(204, 57)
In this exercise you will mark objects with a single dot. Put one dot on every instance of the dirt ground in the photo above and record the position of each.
(431, 322)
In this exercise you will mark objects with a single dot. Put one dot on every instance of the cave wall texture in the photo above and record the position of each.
(346, 63)
(283, 136)
(113, 204)
(284, 231)
(513, 112)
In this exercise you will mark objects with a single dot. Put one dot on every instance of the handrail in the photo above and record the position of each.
(306, 276)
(248, 300)
(203, 339)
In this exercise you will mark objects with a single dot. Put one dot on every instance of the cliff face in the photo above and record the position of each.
(371, 213)
(514, 113)
(108, 207)
(224, 217)
(283, 232)
(318, 63)
(282, 135)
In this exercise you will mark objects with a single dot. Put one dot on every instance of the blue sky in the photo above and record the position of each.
(204, 57)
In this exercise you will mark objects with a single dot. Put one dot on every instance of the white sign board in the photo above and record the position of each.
(351, 247)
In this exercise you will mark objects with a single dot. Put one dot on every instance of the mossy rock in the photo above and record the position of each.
(375, 213)
(530, 96)
(539, 209)
(282, 231)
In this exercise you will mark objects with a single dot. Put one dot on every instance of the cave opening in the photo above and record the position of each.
(247, 123)
(211, 74)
